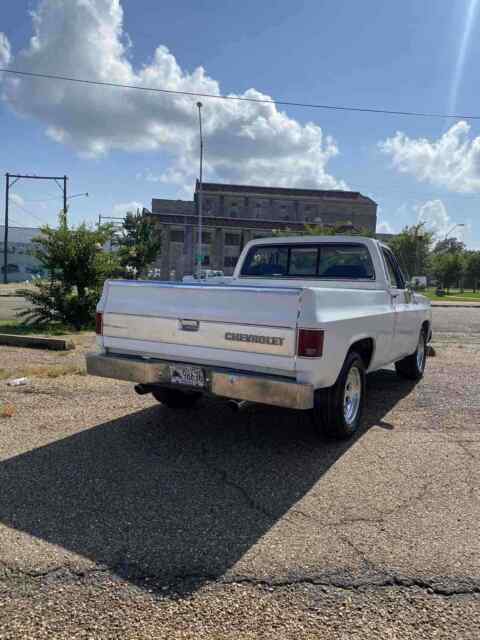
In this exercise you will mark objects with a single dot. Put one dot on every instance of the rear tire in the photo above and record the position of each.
(340, 407)
(412, 367)
(176, 399)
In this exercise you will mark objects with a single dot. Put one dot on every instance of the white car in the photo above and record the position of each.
(206, 274)
(299, 325)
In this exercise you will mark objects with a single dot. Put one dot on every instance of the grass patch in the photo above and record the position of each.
(454, 296)
(51, 371)
(44, 371)
(21, 329)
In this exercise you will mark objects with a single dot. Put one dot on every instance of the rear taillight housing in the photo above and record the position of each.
(310, 343)
(99, 323)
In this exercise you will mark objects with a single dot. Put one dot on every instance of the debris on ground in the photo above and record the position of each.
(7, 410)
(18, 382)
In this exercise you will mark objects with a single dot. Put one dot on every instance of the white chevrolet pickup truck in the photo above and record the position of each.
(299, 325)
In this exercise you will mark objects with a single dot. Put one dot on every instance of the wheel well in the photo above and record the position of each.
(364, 348)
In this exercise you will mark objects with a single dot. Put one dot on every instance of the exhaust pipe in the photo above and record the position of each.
(238, 405)
(142, 389)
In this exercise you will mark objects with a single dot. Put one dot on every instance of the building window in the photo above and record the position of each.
(11, 268)
(206, 261)
(230, 261)
(206, 237)
(177, 235)
(232, 239)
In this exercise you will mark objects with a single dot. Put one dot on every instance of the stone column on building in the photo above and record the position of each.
(165, 254)
(271, 215)
(217, 249)
(246, 237)
(188, 250)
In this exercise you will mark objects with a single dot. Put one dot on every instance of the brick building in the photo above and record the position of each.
(235, 214)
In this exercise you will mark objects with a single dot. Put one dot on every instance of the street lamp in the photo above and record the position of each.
(458, 224)
(63, 214)
(78, 195)
(199, 241)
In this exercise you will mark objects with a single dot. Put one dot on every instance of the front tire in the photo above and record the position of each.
(413, 366)
(176, 399)
(340, 407)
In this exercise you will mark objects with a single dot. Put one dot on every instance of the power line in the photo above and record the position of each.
(19, 226)
(282, 102)
(20, 206)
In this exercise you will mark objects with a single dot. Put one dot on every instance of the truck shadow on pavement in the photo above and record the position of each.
(162, 496)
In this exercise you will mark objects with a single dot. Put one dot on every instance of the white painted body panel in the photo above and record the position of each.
(145, 318)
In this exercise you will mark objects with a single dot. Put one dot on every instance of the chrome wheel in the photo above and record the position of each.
(421, 352)
(352, 395)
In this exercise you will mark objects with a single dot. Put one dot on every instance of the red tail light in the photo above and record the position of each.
(310, 343)
(99, 323)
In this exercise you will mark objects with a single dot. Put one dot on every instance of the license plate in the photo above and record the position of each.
(187, 375)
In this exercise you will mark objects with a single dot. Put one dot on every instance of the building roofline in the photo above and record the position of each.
(12, 226)
(240, 188)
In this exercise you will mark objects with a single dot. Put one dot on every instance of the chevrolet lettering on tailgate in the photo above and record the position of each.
(250, 337)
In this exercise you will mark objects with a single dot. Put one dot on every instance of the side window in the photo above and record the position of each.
(266, 261)
(393, 270)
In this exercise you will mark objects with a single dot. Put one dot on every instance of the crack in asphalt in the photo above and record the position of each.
(446, 586)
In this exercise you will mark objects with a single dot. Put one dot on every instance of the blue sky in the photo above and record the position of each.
(415, 56)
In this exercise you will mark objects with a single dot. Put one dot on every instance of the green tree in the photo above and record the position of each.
(412, 247)
(447, 268)
(320, 230)
(449, 245)
(472, 269)
(138, 243)
(77, 267)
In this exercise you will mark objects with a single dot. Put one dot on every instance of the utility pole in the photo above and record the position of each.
(199, 248)
(5, 235)
(11, 179)
(65, 198)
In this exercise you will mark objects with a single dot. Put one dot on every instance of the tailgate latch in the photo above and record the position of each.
(189, 325)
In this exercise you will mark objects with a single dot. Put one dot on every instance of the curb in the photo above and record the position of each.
(35, 342)
(454, 305)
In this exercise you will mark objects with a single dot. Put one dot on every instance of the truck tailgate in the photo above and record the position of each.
(230, 326)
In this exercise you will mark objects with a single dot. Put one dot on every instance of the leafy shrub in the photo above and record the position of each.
(77, 267)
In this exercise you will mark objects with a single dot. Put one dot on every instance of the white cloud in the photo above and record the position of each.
(121, 209)
(243, 141)
(437, 220)
(451, 161)
(16, 199)
(5, 51)
(384, 227)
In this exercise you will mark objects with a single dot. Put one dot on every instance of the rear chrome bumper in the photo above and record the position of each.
(229, 384)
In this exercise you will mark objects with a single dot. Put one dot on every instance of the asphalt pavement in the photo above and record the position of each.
(122, 519)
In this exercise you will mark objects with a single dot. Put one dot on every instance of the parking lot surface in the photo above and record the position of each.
(120, 518)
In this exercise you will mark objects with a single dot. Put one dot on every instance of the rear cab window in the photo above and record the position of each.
(334, 261)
